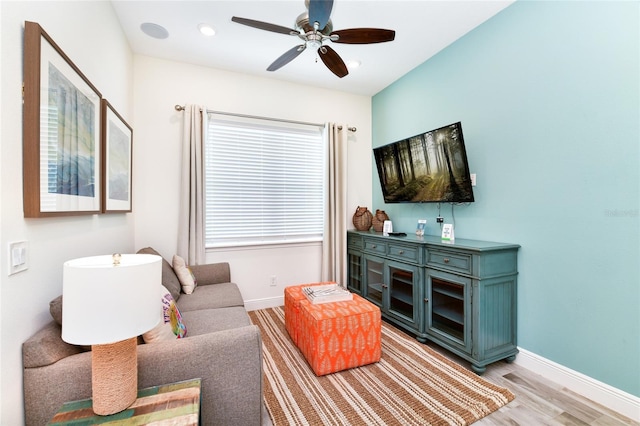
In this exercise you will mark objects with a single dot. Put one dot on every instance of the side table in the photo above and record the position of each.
(175, 403)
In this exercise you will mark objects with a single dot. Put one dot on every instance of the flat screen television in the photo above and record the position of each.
(430, 167)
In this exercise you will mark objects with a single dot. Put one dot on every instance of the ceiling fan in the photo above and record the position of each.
(314, 27)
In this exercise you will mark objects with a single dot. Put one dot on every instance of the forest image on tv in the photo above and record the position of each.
(430, 167)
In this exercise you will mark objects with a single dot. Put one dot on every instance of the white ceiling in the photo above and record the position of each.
(423, 28)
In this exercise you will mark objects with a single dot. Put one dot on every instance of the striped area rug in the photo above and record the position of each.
(411, 385)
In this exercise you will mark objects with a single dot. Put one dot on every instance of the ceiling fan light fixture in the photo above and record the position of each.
(314, 41)
(154, 30)
(206, 29)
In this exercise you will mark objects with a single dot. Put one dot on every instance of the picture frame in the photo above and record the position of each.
(117, 156)
(61, 132)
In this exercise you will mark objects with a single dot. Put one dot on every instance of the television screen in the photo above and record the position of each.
(427, 168)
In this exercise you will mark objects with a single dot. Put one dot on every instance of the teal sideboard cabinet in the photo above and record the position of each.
(461, 296)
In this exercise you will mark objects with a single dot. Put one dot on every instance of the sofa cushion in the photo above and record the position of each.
(212, 273)
(169, 278)
(187, 280)
(211, 296)
(55, 309)
(211, 320)
(171, 325)
(47, 347)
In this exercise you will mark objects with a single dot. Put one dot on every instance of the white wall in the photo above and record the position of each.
(90, 35)
(1, 126)
(159, 86)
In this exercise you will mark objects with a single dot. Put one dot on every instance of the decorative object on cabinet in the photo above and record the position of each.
(61, 139)
(117, 145)
(461, 295)
(378, 220)
(94, 313)
(362, 219)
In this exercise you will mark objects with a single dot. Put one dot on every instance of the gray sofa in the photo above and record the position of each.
(222, 348)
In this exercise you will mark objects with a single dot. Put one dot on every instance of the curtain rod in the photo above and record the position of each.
(351, 129)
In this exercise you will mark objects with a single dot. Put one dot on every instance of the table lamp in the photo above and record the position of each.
(107, 302)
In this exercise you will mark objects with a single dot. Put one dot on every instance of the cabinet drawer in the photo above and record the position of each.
(375, 246)
(354, 241)
(407, 253)
(450, 261)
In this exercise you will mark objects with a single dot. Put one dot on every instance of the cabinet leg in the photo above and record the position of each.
(421, 339)
(478, 369)
(510, 359)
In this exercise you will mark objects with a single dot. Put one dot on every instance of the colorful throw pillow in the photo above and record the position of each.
(171, 325)
(187, 280)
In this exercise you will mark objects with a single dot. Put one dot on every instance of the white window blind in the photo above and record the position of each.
(264, 182)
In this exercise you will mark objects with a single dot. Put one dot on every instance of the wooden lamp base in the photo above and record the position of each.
(114, 376)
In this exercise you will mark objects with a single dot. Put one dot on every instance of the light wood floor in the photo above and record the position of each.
(538, 401)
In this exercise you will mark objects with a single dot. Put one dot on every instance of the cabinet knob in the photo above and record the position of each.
(426, 300)
(374, 246)
(446, 260)
(401, 252)
(384, 286)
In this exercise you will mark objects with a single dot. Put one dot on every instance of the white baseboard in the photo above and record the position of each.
(615, 399)
(271, 302)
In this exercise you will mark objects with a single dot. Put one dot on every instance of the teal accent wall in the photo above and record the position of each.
(549, 99)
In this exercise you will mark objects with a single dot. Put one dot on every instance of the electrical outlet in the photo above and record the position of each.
(274, 281)
(440, 219)
(473, 179)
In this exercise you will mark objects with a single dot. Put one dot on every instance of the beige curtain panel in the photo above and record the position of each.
(334, 246)
(191, 213)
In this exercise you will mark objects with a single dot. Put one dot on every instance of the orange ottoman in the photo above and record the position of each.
(339, 335)
(292, 297)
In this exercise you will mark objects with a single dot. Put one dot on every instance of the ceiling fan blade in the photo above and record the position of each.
(333, 61)
(363, 35)
(320, 11)
(287, 57)
(264, 26)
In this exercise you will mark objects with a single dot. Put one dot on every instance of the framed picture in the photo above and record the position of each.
(117, 143)
(61, 132)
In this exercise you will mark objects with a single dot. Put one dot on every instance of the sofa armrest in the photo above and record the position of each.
(46, 388)
(229, 363)
(212, 273)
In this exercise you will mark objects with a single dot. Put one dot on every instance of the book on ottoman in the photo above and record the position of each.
(326, 293)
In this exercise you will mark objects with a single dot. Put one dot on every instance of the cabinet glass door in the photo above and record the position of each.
(447, 308)
(355, 272)
(402, 290)
(375, 280)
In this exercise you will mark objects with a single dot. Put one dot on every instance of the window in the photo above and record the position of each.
(264, 182)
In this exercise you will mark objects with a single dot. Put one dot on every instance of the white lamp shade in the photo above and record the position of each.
(105, 303)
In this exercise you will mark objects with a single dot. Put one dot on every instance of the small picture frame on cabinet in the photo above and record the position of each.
(447, 233)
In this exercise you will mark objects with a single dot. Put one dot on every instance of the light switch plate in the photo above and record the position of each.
(18, 257)
(473, 179)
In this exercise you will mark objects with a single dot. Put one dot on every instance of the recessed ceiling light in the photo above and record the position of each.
(154, 30)
(353, 64)
(207, 29)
